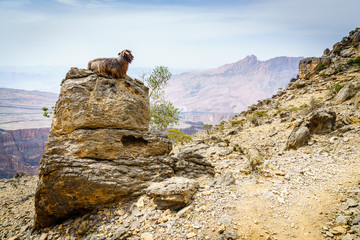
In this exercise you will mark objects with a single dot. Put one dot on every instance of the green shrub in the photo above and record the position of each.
(220, 126)
(254, 119)
(46, 113)
(335, 88)
(237, 148)
(178, 137)
(252, 108)
(222, 123)
(337, 50)
(280, 110)
(314, 104)
(260, 113)
(255, 161)
(295, 109)
(354, 62)
(256, 116)
(254, 164)
(321, 67)
(236, 123)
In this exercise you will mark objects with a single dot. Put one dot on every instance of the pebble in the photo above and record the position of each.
(191, 235)
(226, 220)
(146, 236)
(352, 202)
(342, 220)
(356, 220)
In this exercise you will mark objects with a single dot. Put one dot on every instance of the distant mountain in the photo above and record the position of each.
(230, 88)
(20, 109)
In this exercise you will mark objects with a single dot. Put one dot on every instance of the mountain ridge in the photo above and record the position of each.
(231, 87)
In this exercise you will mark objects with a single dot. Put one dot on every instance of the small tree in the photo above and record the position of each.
(46, 112)
(163, 113)
(178, 137)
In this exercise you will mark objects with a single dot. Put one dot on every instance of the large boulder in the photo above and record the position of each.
(298, 138)
(173, 193)
(345, 93)
(71, 186)
(321, 121)
(88, 101)
(98, 150)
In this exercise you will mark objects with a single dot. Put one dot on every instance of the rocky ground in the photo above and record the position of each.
(261, 189)
(312, 193)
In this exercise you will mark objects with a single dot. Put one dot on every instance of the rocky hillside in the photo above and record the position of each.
(208, 95)
(287, 168)
(21, 150)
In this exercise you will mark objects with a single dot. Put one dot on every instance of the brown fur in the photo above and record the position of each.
(112, 67)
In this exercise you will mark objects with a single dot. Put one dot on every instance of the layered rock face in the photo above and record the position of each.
(21, 150)
(99, 150)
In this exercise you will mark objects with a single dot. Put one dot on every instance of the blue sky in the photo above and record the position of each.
(187, 34)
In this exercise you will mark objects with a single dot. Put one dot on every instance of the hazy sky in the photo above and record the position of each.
(179, 34)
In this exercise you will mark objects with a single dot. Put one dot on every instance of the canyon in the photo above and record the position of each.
(21, 151)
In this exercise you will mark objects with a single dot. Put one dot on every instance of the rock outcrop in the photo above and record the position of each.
(334, 64)
(99, 150)
(308, 67)
(333, 61)
(318, 122)
(21, 150)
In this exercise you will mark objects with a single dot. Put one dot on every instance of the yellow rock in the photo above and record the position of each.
(146, 236)
(140, 202)
(338, 230)
(190, 235)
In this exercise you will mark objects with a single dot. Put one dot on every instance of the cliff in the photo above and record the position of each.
(21, 151)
